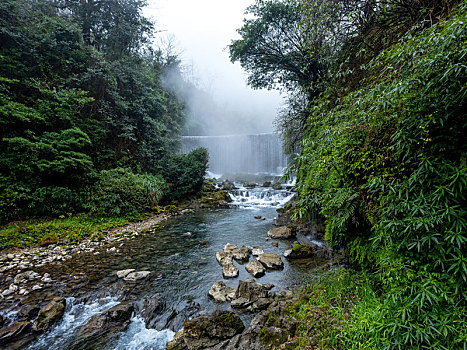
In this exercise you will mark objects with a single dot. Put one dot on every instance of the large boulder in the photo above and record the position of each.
(150, 309)
(208, 331)
(220, 292)
(177, 343)
(305, 251)
(106, 325)
(271, 261)
(255, 268)
(248, 292)
(229, 271)
(14, 331)
(49, 314)
(282, 232)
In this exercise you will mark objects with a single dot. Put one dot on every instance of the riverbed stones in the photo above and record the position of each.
(209, 331)
(229, 271)
(136, 276)
(124, 273)
(282, 232)
(221, 292)
(26, 276)
(50, 314)
(271, 261)
(13, 331)
(255, 268)
(223, 258)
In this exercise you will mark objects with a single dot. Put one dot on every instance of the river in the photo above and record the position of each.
(181, 258)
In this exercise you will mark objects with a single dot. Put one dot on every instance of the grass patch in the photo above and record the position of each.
(66, 230)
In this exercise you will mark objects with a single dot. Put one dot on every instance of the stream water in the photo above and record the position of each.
(181, 258)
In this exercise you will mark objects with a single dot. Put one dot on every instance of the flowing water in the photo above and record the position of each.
(241, 154)
(181, 258)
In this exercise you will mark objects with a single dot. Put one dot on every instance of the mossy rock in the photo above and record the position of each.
(48, 240)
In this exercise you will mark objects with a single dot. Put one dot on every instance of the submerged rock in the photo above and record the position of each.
(255, 268)
(49, 314)
(209, 331)
(271, 261)
(282, 232)
(220, 292)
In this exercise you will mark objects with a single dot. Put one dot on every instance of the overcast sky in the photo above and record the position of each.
(202, 31)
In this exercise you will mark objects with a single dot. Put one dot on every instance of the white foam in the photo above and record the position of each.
(138, 337)
(260, 197)
(75, 316)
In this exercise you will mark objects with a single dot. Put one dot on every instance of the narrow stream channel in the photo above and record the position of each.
(181, 258)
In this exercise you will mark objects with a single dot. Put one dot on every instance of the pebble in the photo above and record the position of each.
(36, 287)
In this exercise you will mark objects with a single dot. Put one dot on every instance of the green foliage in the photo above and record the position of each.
(119, 191)
(81, 91)
(184, 173)
(386, 165)
(65, 230)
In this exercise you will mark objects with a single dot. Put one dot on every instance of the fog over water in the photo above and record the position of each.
(200, 31)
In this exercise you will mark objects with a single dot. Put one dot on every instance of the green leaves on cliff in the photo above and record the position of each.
(386, 164)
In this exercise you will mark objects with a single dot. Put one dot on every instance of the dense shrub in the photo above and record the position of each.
(120, 191)
(387, 165)
(185, 173)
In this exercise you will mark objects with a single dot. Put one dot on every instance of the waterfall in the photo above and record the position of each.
(241, 154)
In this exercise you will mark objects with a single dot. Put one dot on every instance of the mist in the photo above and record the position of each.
(218, 100)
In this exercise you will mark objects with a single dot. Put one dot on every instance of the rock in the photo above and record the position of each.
(228, 186)
(250, 290)
(240, 303)
(249, 185)
(229, 271)
(241, 254)
(275, 244)
(267, 184)
(255, 268)
(7, 292)
(151, 306)
(50, 314)
(13, 331)
(136, 276)
(177, 343)
(10, 256)
(36, 287)
(271, 261)
(282, 232)
(259, 217)
(300, 251)
(28, 312)
(277, 186)
(220, 292)
(261, 304)
(228, 248)
(208, 331)
(256, 251)
(223, 258)
(124, 273)
(2, 321)
(26, 276)
(105, 326)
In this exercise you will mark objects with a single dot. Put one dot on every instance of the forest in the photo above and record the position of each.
(89, 122)
(374, 119)
(376, 116)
